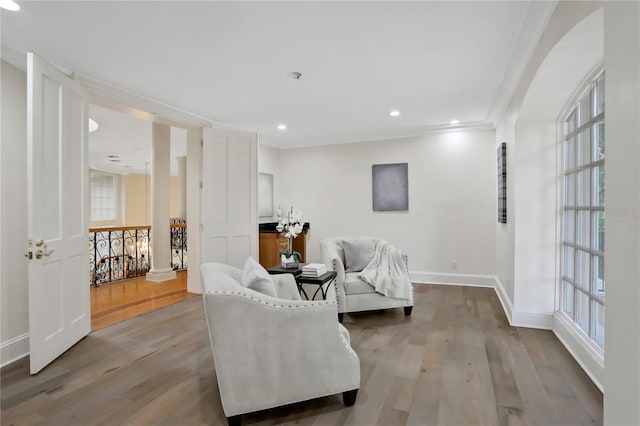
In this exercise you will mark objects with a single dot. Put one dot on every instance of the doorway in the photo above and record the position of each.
(120, 199)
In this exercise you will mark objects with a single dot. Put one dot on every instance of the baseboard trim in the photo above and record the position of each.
(580, 349)
(507, 304)
(543, 321)
(14, 349)
(421, 277)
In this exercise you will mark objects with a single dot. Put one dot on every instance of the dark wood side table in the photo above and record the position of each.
(319, 281)
(275, 270)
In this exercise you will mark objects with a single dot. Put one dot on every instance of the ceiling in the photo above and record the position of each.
(231, 62)
(122, 143)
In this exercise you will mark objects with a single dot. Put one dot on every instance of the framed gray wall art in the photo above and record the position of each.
(390, 187)
(265, 195)
(502, 183)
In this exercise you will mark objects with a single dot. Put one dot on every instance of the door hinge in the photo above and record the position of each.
(201, 228)
(201, 142)
(201, 185)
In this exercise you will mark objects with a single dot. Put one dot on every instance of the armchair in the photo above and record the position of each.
(271, 351)
(352, 293)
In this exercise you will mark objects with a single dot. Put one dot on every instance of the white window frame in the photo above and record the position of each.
(590, 248)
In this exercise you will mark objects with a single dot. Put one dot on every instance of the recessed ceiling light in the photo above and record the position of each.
(114, 156)
(9, 5)
(114, 160)
(93, 126)
(454, 122)
(394, 113)
(282, 127)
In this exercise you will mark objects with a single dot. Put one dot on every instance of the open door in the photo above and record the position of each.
(229, 196)
(57, 175)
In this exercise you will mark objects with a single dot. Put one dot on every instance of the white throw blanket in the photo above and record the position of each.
(387, 272)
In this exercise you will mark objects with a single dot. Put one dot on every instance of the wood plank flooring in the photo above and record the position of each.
(111, 303)
(455, 361)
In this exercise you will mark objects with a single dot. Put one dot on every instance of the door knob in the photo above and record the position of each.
(38, 243)
(41, 253)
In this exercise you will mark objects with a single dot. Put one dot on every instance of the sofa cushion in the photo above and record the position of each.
(358, 254)
(354, 285)
(255, 277)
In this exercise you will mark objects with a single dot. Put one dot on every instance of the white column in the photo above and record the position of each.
(194, 209)
(182, 187)
(160, 204)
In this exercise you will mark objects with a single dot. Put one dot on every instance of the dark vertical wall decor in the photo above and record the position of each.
(502, 183)
(390, 186)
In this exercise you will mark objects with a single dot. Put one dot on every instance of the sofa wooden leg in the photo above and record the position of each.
(340, 317)
(407, 310)
(349, 397)
(233, 420)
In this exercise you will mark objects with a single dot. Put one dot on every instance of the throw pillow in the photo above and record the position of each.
(255, 277)
(358, 254)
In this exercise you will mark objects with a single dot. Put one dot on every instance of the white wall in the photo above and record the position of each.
(14, 326)
(536, 212)
(622, 200)
(452, 197)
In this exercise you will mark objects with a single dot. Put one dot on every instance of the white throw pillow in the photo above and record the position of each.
(255, 277)
(358, 254)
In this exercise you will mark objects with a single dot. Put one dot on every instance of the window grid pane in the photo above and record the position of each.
(569, 260)
(584, 139)
(570, 226)
(102, 197)
(567, 297)
(584, 270)
(598, 323)
(570, 153)
(570, 190)
(582, 311)
(584, 187)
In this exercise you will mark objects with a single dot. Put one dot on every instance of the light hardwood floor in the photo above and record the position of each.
(115, 302)
(455, 361)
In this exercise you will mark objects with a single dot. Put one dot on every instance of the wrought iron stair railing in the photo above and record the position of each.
(120, 253)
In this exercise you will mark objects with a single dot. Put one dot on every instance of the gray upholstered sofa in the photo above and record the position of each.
(271, 351)
(352, 293)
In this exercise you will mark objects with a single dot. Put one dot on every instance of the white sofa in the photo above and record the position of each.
(352, 293)
(272, 351)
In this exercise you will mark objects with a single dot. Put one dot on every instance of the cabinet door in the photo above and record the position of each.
(268, 249)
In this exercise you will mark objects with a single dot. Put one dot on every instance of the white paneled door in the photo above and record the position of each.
(229, 196)
(59, 299)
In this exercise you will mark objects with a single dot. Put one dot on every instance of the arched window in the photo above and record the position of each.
(582, 292)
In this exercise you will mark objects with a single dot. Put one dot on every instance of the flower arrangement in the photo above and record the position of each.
(292, 224)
